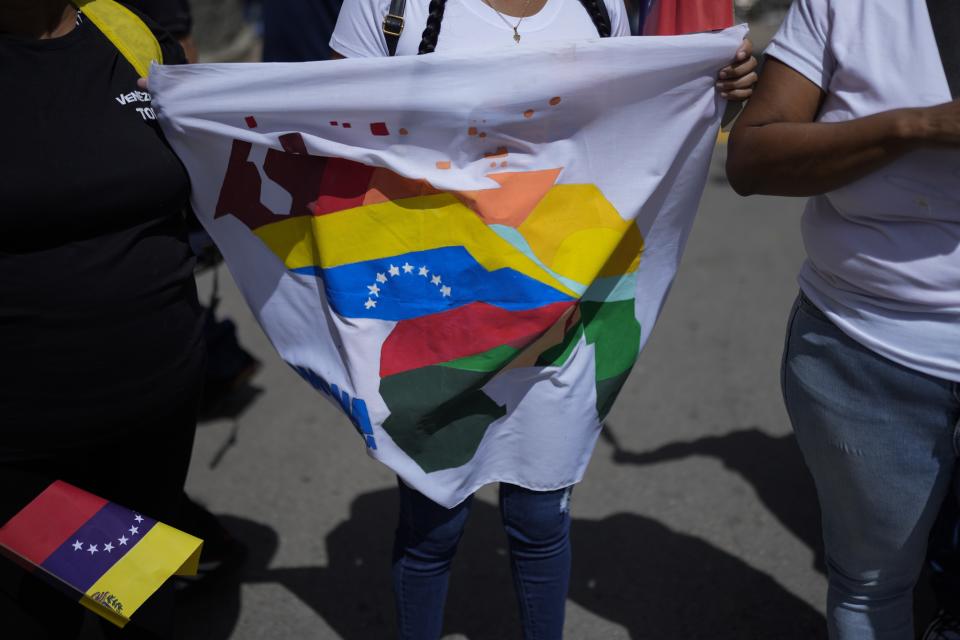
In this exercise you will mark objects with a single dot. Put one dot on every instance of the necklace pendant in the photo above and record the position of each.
(516, 36)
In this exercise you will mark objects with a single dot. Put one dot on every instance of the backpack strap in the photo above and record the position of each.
(603, 12)
(128, 33)
(393, 24)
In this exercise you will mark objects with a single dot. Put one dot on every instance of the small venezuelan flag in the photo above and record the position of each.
(112, 557)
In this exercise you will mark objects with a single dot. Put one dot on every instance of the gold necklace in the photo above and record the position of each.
(523, 14)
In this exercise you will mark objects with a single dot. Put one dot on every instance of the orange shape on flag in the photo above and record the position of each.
(519, 193)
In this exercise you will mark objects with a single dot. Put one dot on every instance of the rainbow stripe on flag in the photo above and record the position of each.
(112, 557)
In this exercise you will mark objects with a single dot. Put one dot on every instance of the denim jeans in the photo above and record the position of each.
(881, 442)
(538, 530)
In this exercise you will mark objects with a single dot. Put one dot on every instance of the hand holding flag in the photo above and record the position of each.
(680, 17)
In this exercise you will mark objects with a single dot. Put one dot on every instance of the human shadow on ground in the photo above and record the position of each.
(232, 405)
(630, 570)
(773, 465)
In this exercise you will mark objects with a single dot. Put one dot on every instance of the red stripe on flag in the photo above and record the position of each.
(52, 517)
(343, 186)
(461, 332)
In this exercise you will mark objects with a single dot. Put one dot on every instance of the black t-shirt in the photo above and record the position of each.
(99, 320)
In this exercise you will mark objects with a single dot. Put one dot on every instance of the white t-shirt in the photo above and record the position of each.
(884, 252)
(466, 25)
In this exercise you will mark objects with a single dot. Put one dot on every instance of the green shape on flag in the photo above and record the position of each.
(612, 328)
(488, 361)
(607, 392)
(438, 414)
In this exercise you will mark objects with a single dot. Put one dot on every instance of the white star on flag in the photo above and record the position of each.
(92, 549)
(138, 517)
(370, 303)
(394, 271)
(134, 531)
(108, 547)
(374, 290)
(446, 291)
(435, 280)
(78, 546)
(407, 267)
(122, 540)
(424, 271)
(381, 278)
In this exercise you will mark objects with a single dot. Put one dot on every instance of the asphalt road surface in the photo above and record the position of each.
(696, 518)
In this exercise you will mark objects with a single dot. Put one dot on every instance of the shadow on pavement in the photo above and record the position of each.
(232, 405)
(773, 465)
(633, 571)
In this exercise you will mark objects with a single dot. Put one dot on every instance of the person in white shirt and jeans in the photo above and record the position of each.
(854, 109)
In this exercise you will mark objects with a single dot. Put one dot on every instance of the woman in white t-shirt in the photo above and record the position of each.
(537, 522)
(854, 110)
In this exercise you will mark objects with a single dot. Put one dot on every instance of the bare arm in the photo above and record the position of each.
(776, 148)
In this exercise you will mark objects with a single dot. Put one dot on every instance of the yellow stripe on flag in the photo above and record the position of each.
(163, 552)
(578, 233)
(394, 228)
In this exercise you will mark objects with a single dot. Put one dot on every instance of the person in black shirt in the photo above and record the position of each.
(100, 327)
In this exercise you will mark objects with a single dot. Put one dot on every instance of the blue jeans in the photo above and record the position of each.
(538, 529)
(881, 442)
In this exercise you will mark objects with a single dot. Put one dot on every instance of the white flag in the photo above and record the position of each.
(465, 251)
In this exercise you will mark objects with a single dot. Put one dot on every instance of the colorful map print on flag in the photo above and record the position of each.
(468, 269)
(477, 281)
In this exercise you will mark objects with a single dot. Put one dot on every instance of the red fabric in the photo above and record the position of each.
(678, 17)
(464, 331)
(46, 523)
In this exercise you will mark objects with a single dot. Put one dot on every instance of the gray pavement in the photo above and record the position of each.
(696, 518)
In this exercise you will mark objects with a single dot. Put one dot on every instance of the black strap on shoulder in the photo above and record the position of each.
(606, 15)
(945, 17)
(603, 12)
(393, 24)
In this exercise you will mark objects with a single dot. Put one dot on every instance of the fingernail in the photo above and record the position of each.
(723, 74)
(741, 55)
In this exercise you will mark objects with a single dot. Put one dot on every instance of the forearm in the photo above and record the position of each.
(810, 158)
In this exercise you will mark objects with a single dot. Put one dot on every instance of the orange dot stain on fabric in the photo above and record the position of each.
(501, 151)
(472, 131)
(482, 134)
(493, 165)
(403, 131)
(528, 113)
(554, 101)
(503, 164)
(443, 165)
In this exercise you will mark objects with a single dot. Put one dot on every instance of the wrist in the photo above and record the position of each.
(912, 127)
